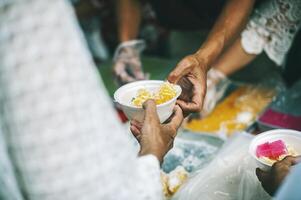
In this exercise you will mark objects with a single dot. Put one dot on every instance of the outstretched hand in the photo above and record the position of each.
(190, 74)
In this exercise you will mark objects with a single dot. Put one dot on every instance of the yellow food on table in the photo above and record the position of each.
(235, 112)
(173, 181)
(165, 93)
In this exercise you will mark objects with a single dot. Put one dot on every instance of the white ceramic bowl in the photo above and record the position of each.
(124, 95)
(290, 137)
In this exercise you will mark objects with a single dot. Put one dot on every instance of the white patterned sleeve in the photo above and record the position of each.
(64, 138)
(272, 28)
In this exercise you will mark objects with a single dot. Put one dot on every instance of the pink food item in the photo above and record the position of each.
(271, 150)
(275, 119)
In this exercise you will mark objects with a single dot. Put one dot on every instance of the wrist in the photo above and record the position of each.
(209, 52)
(125, 38)
(154, 152)
(202, 62)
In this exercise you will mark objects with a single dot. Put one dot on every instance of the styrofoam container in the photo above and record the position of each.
(291, 138)
(124, 95)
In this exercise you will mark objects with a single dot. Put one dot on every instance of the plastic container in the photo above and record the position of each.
(124, 95)
(290, 137)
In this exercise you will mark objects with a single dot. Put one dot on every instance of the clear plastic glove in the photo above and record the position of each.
(217, 83)
(127, 65)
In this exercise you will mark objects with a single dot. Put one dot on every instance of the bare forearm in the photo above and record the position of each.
(233, 59)
(129, 17)
(229, 24)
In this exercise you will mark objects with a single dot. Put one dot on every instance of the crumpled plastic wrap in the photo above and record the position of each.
(217, 84)
(230, 176)
(189, 154)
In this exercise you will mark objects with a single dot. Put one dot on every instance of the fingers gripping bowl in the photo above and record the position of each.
(125, 95)
(279, 143)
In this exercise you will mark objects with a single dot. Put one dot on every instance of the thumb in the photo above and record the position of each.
(177, 74)
(262, 175)
(290, 160)
(150, 115)
(182, 69)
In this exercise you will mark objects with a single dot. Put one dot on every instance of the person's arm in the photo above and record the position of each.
(226, 29)
(195, 66)
(66, 140)
(233, 59)
(129, 17)
(127, 65)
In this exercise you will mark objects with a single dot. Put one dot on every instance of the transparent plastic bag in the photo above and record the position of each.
(230, 176)
(217, 84)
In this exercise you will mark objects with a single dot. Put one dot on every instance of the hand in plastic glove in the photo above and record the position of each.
(127, 65)
(272, 179)
(156, 138)
(194, 70)
(217, 83)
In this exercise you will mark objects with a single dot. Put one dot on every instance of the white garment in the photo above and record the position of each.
(63, 136)
(272, 28)
(9, 188)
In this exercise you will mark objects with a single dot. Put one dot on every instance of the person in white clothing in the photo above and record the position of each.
(60, 136)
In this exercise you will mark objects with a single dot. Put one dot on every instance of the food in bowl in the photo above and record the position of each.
(291, 139)
(125, 95)
(165, 93)
(271, 152)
